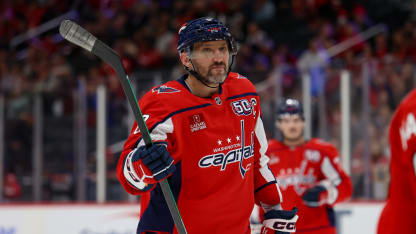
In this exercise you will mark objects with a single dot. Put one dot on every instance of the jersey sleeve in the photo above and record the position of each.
(267, 192)
(335, 180)
(159, 126)
(402, 139)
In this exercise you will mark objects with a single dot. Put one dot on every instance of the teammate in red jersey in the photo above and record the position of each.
(209, 143)
(399, 214)
(308, 172)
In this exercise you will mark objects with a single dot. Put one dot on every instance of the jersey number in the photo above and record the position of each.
(145, 118)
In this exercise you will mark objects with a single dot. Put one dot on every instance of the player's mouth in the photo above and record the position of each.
(218, 67)
(293, 130)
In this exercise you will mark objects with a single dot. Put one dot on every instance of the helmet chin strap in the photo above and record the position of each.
(199, 77)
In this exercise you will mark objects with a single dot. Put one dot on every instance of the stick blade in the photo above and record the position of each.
(77, 35)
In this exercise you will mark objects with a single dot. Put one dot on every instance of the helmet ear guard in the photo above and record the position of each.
(233, 46)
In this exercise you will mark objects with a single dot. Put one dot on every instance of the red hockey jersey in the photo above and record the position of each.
(300, 168)
(399, 214)
(218, 145)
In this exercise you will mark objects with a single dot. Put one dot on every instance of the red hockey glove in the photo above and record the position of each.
(145, 166)
(315, 196)
(280, 221)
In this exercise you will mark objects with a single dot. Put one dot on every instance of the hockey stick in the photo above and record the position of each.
(81, 37)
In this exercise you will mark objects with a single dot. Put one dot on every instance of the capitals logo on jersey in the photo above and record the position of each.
(300, 178)
(164, 89)
(232, 156)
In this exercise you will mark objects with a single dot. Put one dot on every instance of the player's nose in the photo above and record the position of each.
(218, 55)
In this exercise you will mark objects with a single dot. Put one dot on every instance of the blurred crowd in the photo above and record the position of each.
(284, 38)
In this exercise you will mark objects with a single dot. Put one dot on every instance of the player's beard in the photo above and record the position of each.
(211, 76)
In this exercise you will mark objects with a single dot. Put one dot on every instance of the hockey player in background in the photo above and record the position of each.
(399, 214)
(209, 143)
(308, 172)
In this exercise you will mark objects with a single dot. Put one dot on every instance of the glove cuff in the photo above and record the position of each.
(131, 176)
(282, 225)
(281, 220)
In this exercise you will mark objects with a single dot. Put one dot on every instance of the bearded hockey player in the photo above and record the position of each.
(399, 214)
(209, 144)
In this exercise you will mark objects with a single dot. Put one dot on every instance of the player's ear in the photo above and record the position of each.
(185, 60)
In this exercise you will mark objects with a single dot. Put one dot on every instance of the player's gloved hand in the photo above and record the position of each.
(145, 166)
(315, 196)
(280, 221)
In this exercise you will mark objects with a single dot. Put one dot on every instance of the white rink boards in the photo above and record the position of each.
(354, 218)
(68, 219)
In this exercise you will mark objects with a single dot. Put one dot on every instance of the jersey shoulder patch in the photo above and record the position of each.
(159, 98)
(164, 89)
(165, 93)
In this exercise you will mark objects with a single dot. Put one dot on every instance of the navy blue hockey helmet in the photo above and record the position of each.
(290, 107)
(204, 29)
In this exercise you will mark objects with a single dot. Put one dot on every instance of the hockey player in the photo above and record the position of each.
(399, 214)
(308, 172)
(209, 143)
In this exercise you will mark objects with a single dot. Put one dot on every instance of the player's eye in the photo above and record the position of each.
(210, 52)
(207, 50)
(285, 121)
